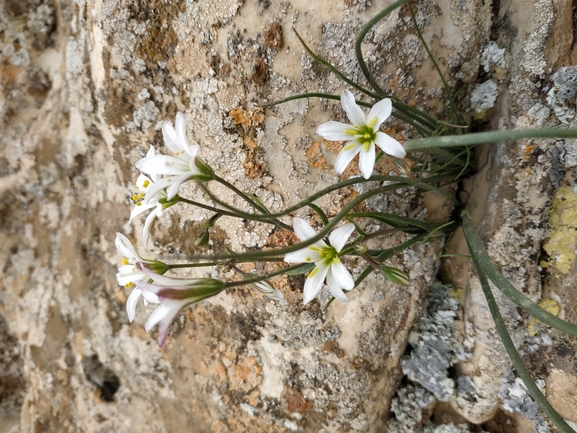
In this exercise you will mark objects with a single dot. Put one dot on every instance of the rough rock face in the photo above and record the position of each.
(85, 87)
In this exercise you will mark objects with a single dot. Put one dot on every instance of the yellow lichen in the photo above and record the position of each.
(549, 305)
(561, 245)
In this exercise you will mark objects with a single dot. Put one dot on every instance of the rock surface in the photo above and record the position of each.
(85, 87)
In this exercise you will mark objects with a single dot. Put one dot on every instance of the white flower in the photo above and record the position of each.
(130, 272)
(149, 194)
(362, 135)
(174, 294)
(326, 260)
(176, 169)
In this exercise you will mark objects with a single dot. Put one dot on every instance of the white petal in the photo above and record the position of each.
(157, 315)
(172, 190)
(146, 229)
(154, 191)
(151, 151)
(346, 156)
(171, 138)
(335, 287)
(314, 284)
(335, 131)
(306, 255)
(303, 229)
(381, 111)
(367, 161)
(126, 248)
(175, 308)
(342, 276)
(339, 237)
(143, 180)
(389, 145)
(131, 304)
(163, 164)
(140, 208)
(353, 111)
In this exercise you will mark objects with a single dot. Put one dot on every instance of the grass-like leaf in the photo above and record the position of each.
(522, 371)
(488, 137)
(480, 254)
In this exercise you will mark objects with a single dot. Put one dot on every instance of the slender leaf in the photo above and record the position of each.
(522, 371)
(480, 254)
(488, 137)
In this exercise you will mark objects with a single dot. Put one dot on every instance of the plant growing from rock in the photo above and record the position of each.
(440, 156)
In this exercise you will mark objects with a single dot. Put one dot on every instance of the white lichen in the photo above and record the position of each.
(484, 96)
(492, 56)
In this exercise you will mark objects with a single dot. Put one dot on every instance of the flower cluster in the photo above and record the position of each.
(157, 188)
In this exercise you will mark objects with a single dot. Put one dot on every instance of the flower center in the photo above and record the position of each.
(329, 255)
(365, 134)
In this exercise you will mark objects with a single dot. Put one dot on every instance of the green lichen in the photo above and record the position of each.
(561, 245)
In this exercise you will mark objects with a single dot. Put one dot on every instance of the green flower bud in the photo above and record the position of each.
(395, 275)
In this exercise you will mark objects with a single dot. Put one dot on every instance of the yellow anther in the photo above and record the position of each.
(308, 259)
(314, 271)
(139, 203)
(125, 261)
(135, 197)
(129, 284)
(367, 136)
(140, 195)
(145, 183)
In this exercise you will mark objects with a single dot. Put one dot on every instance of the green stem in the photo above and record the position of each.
(361, 36)
(241, 194)
(334, 70)
(480, 254)
(488, 137)
(516, 358)
(265, 277)
(430, 54)
(320, 235)
(218, 263)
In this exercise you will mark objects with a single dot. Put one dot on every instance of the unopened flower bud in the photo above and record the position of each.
(266, 289)
(360, 248)
(203, 238)
(395, 275)
(402, 165)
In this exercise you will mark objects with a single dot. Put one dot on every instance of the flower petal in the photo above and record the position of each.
(303, 229)
(314, 283)
(353, 111)
(335, 131)
(131, 303)
(126, 248)
(367, 161)
(140, 208)
(306, 255)
(162, 164)
(389, 145)
(172, 190)
(336, 284)
(342, 276)
(381, 111)
(339, 237)
(171, 138)
(146, 229)
(346, 156)
(154, 190)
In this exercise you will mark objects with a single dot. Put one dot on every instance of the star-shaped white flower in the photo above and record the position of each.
(172, 295)
(362, 135)
(131, 272)
(326, 260)
(149, 194)
(176, 169)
